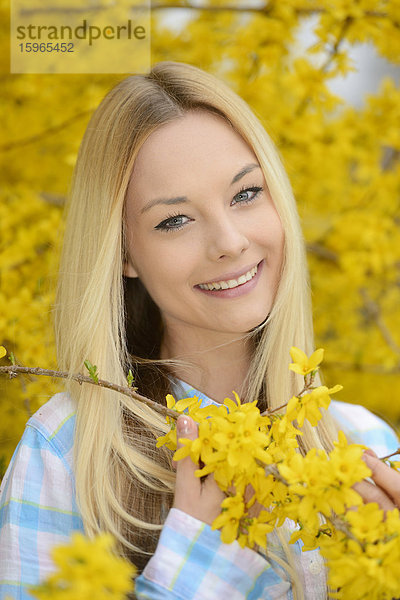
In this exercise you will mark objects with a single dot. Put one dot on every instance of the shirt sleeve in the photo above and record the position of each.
(37, 511)
(191, 563)
(361, 426)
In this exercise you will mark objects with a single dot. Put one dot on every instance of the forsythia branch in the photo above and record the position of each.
(126, 391)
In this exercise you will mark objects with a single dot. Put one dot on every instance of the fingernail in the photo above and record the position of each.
(370, 453)
(183, 425)
(367, 457)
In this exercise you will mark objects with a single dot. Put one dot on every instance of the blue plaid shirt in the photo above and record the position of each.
(38, 510)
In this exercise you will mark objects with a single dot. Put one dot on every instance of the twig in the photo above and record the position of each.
(322, 252)
(271, 411)
(390, 157)
(307, 386)
(273, 470)
(27, 12)
(174, 5)
(345, 25)
(374, 312)
(363, 368)
(126, 391)
(340, 525)
(42, 134)
(390, 455)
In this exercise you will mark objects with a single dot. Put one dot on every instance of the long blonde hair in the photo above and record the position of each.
(123, 484)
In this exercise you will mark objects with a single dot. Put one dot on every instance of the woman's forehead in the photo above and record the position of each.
(200, 144)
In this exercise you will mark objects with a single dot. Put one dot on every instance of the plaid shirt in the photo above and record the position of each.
(38, 510)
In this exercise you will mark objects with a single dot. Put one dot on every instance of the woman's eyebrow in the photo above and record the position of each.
(182, 199)
(244, 170)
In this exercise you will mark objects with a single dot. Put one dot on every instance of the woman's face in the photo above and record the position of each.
(203, 234)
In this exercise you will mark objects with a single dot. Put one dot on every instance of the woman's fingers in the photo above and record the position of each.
(386, 479)
(372, 493)
(386, 487)
(187, 486)
(200, 500)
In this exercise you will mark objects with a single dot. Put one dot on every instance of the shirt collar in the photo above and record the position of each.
(181, 389)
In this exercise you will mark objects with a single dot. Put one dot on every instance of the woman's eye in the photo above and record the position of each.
(247, 195)
(172, 223)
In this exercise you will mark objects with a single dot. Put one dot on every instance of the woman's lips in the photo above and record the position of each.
(230, 283)
(232, 288)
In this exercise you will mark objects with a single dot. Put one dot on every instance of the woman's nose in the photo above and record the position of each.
(225, 238)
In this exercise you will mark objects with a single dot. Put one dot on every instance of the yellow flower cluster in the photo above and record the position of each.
(87, 569)
(255, 460)
(321, 483)
(365, 563)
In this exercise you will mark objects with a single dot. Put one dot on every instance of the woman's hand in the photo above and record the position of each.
(386, 492)
(200, 499)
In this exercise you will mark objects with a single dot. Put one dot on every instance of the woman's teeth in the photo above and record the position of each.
(231, 283)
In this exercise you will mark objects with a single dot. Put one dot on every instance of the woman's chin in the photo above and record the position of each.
(251, 324)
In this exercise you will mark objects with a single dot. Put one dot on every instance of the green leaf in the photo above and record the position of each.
(130, 378)
(92, 371)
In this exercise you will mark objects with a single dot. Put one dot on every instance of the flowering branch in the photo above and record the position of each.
(245, 450)
(13, 370)
(390, 455)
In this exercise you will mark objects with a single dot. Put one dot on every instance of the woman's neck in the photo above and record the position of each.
(216, 369)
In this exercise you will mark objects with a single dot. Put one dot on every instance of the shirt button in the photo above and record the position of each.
(315, 566)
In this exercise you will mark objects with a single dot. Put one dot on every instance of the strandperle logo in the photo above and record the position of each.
(81, 32)
(104, 37)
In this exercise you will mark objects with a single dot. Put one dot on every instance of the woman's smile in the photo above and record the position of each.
(232, 286)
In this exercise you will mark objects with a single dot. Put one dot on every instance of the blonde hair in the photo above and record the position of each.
(123, 484)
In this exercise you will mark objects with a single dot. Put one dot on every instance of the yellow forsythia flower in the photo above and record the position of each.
(229, 519)
(307, 406)
(3, 351)
(87, 569)
(302, 364)
(182, 406)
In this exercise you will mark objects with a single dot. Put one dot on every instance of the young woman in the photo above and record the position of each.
(183, 260)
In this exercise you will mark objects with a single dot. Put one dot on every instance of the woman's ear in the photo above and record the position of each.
(129, 268)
